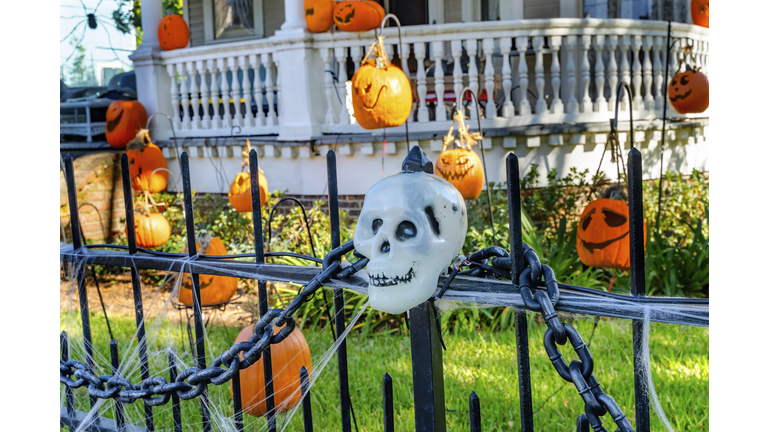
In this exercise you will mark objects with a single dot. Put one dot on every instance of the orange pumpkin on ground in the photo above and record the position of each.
(144, 157)
(240, 192)
(603, 234)
(152, 230)
(213, 289)
(173, 32)
(356, 16)
(689, 92)
(700, 12)
(124, 119)
(463, 169)
(381, 93)
(287, 359)
(319, 15)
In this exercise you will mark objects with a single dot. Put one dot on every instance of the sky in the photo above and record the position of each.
(97, 42)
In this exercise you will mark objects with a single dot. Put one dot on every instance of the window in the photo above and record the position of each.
(233, 19)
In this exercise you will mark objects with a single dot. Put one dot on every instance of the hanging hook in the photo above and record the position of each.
(615, 123)
(232, 134)
(402, 62)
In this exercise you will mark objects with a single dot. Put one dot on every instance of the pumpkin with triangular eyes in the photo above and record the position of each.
(603, 234)
(689, 92)
(463, 169)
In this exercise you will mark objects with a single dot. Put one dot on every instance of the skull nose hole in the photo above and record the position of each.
(385, 247)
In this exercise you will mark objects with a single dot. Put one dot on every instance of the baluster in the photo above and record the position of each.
(248, 116)
(437, 52)
(269, 82)
(184, 97)
(204, 94)
(341, 61)
(554, 46)
(330, 115)
(225, 86)
(279, 90)
(407, 70)
(599, 105)
(585, 105)
(218, 76)
(257, 89)
(490, 79)
(623, 47)
(637, 72)
(508, 109)
(420, 51)
(174, 95)
(705, 57)
(570, 73)
(474, 83)
(658, 71)
(356, 59)
(613, 79)
(458, 75)
(538, 47)
(194, 96)
(648, 72)
(234, 92)
(522, 46)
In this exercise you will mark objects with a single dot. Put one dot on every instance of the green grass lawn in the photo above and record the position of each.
(483, 362)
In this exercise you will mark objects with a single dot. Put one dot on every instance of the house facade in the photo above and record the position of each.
(253, 70)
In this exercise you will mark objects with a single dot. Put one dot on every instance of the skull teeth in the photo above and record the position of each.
(380, 279)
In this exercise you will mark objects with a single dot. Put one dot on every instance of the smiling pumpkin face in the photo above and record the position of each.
(689, 92)
(381, 97)
(354, 16)
(463, 169)
(603, 234)
(124, 119)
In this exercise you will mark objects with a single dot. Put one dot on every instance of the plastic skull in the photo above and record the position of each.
(411, 226)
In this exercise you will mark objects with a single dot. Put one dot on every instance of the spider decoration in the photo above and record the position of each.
(93, 23)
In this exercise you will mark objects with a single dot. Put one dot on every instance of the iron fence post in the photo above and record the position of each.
(427, 362)
(306, 401)
(69, 396)
(119, 409)
(389, 411)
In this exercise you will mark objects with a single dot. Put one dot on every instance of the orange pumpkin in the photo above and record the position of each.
(463, 169)
(319, 15)
(124, 119)
(603, 234)
(689, 92)
(700, 12)
(240, 192)
(355, 16)
(381, 93)
(152, 230)
(213, 289)
(287, 359)
(173, 33)
(144, 157)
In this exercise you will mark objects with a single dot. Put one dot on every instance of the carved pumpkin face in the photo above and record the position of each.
(463, 169)
(700, 12)
(124, 119)
(213, 289)
(355, 16)
(381, 97)
(689, 92)
(144, 157)
(319, 15)
(603, 234)
(240, 192)
(173, 33)
(152, 230)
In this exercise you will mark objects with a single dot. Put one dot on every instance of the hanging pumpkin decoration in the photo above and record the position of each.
(173, 32)
(319, 15)
(288, 357)
(381, 93)
(356, 16)
(152, 229)
(603, 232)
(213, 289)
(461, 166)
(144, 157)
(700, 12)
(240, 189)
(124, 119)
(689, 91)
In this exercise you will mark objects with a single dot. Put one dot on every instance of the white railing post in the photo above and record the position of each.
(600, 104)
(341, 60)
(266, 59)
(224, 86)
(624, 47)
(437, 52)
(257, 89)
(490, 79)
(538, 47)
(637, 72)
(185, 123)
(554, 45)
(217, 76)
(474, 74)
(586, 102)
(658, 72)
(174, 95)
(194, 96)
(205, 121)
(613, 78)
(522, 47)
(248, 117)
(420, 51)
(458, 75)
(570, 73)
(235, 92)
(279, 88)
(648, 72)
(330, 113)
(505, 44)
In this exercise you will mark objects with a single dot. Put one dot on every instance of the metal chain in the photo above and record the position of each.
(578, 372)
(191, 382)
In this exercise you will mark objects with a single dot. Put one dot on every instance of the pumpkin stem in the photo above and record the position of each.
(140, 141)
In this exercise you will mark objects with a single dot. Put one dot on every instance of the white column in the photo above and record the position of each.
(637, 73)
(557, 103)
(490, 82)
(341, 60)
(474, 75)
(420, 51)
(570, 72)
(248, 117)
(458, 74)
(151, 14)
(613, 78)
(294, 15)
(195, 97)
(508, 110)
(538, 47)
(648, 72)
(437, 52)
(522, 46)
(600, 104)
(585, 105)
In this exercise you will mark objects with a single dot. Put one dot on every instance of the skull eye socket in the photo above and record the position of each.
(377, 223)
(684, 80)
(613, 219)
(586, 220)
(406, 230)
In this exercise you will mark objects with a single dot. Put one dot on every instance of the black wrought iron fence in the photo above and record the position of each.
(533, 287)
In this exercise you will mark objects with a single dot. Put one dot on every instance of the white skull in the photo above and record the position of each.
(411, 226)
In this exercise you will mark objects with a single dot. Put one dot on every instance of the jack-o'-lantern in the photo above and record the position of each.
(381, 93)
(213, 289)
(240, 192)
(463, 169)
(700, 12)
(288, 357)
(173, 33)
(144, 157)
(124, 119)
(319, 15)
(152, 229)
(356, 16)
(603, 233)
(689, 92)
